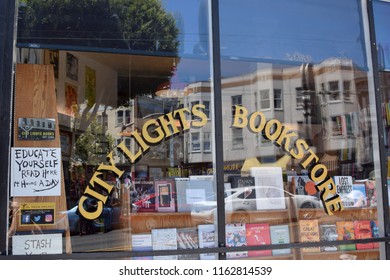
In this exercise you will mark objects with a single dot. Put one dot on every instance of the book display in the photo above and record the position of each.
(346, 231)
(362, 230)
(328, 232)
(269, 188)
(257, 235)
(309, 232)
(280, 234)
(207, 239)
(236, 237)
(164, 239)
(165, 200)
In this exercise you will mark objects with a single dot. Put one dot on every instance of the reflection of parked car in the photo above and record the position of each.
(108, 220)
(254, 197)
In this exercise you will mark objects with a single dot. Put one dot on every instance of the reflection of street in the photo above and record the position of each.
(114, 240)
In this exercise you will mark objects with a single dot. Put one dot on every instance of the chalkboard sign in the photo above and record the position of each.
(36, 172)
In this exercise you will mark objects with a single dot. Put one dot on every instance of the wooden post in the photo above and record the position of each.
(35, 97)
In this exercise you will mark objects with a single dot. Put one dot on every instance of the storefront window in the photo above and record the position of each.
(121, 119)
(126, 160)
(304, 87)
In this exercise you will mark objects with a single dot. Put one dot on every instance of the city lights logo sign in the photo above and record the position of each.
(154, 131)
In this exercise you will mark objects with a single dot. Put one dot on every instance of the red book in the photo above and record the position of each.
(257, 235)
(363, 230)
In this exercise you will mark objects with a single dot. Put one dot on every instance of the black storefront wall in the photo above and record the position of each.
(7, 23)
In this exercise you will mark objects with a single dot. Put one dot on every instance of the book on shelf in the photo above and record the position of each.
(328, 232)
(269, 188)
(344, 189)
(302, 185)
(246, 191)
(371, 193)
(359, 195)
(362, 230)
(236, 237)
(140, 243)
(146, 200)
(280, 234)
(187, 238)
(257, 235)
(374, 232)
(346, 231)
(207, 239)
(164, 239)
(309, 232)
(195, 194)
(165, 195)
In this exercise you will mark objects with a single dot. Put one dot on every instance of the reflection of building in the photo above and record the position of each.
(338, 113)
(332, 114)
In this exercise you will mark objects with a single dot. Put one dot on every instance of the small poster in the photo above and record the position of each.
(39, 244)
(41, 214)
(70, 98)
(36, 129)
(72, 66)
(90, 86)
(35, 172)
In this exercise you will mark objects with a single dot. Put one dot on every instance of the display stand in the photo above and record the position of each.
(35, 97)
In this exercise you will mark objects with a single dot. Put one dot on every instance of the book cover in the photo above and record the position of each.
(244, 201)
(358, 196)
(371, 193)
(362, 230)
(257, 235)
(165, 195)
(344, 190)
(236, 237)
(374, 232)
(146, 200)
(309, 232)
(207, 239)
(280, 234)
(164, 239)
(142, 242)
(269, 188)
(302, 185)
(328, 232)
(345, 231)
(195, 194)
(187, 238)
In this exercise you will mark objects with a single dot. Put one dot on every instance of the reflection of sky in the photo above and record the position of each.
(382, 25)
(191, 19)
(292, 30)
(277, 30)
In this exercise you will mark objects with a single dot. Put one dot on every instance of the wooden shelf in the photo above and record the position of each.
(360, 254)
(349, 214)
(145, 222)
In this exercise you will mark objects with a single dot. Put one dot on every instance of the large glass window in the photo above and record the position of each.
(114, 141)
(130, 96)
(315, 180)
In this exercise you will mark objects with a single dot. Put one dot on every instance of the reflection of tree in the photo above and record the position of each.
(130, 24)
(93, 145)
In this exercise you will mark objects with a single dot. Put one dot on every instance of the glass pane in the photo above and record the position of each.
(132, 122)
(382, 23)
(304, 169)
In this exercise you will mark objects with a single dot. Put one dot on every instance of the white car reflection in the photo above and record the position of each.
(254, 198)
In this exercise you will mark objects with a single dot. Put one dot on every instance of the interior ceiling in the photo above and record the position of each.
(135, 65)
